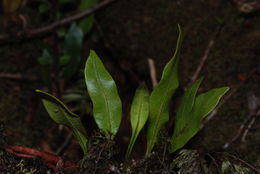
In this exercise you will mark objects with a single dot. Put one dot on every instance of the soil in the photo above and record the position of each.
(125, 35)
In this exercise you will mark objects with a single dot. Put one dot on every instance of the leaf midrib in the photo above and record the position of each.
(134, 136)
(182, 111)
(104, 95)
(159, 113)
(138, 120)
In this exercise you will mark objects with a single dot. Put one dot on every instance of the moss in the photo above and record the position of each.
(10, 163)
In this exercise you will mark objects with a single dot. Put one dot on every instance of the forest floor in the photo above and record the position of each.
(125, 35)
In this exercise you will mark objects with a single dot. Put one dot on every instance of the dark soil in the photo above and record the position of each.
(125, 35)
(10, 163)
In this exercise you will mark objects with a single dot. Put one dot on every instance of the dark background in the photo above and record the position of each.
(125, 34)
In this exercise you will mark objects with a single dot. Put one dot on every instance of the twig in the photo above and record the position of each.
(225, 98)
(215, 162)
(205, 56)
(254, 110)
(49, 158)
(203, 60)
(34, 32)
(98, 158)
(64, 144)
(239, 132)
(245, 163)
(17, 77)
(152, 72)
(252, 121)
(162, 161)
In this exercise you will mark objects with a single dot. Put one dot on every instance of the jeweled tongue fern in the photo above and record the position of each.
(107, 106)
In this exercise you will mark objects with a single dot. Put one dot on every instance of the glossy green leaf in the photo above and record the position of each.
(107, 106)
(72, 48)
(87, 23)
(206, 102)
(161, 96)
(139, 115)
(60, 113)
(187, 122)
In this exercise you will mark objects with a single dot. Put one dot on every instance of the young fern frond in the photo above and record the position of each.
(139, 115)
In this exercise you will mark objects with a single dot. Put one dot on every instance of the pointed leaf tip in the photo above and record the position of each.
(139, 114)
(161, 96)
(191, 111)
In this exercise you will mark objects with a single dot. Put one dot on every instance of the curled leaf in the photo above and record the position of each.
(60, 113)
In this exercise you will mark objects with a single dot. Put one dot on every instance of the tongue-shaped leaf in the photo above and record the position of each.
(161, 96)
(102, 90)
(139, 115)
